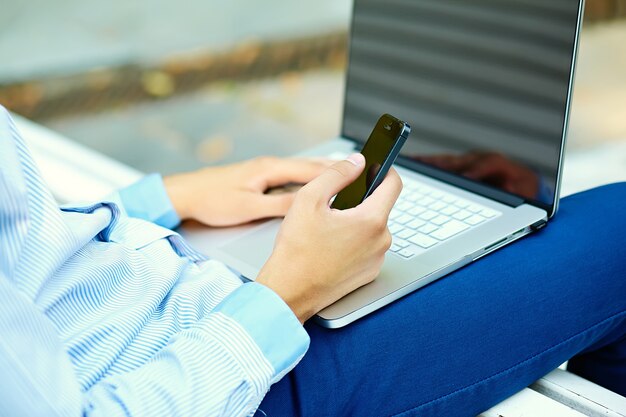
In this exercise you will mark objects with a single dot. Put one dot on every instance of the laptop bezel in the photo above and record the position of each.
(482, 189)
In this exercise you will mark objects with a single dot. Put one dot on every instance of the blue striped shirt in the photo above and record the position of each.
(105, 311)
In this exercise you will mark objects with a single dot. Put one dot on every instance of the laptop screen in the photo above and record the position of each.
(484, 85)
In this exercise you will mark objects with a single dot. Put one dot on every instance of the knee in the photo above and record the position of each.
(609, 190)
(599, 197)
(595, 216)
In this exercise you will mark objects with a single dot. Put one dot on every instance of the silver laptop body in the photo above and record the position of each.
(478, 81)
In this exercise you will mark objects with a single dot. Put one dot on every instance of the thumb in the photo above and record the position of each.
(337, 177)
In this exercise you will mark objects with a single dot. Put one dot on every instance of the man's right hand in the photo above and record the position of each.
(321, 254)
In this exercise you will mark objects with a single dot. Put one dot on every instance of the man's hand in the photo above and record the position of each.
(234, 194)
(322, 254)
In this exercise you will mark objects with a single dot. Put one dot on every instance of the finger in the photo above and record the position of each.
(323, 160)
(384, 197)
(271, 205)
(337, 177)
(298, 170)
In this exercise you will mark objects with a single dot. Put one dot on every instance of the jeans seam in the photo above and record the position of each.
(511, 368)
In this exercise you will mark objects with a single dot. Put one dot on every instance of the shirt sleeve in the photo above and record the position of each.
(270, 322)
(223, 366)
(147, 199)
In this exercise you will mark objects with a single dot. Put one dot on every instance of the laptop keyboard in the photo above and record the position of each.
(425, 216)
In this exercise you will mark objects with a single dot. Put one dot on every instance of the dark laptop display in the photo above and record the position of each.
(484, 84)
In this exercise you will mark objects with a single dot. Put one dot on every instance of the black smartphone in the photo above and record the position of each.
(380, 152)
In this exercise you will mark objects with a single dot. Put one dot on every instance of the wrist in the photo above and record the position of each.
(178, 194)
(297, 300)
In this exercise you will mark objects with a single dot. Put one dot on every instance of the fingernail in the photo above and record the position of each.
(356, 159)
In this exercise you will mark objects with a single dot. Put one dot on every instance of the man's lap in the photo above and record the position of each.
(475, 337)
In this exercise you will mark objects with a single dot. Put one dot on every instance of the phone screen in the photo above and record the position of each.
(376, 151)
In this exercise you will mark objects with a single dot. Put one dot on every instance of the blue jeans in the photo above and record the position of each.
(479, 335)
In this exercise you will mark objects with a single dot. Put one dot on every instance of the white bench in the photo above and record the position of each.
(77, 173)
(563, 394)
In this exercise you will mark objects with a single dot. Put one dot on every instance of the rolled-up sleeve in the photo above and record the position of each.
(223, 366)
(147, 199)
(271, 324)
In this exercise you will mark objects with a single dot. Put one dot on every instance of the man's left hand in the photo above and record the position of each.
(234, 194)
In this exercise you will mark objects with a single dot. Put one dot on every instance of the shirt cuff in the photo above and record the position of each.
(270, 323)
(147, 199)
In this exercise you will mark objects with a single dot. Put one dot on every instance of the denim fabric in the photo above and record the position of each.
(472, 339)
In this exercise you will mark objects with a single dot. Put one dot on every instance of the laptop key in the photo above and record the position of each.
(417, 210)
(437, 205)
(462, 215)
(410, 185)
(395, 228)
(406, 253)
(474, 208)
(449, 229)
(475, 219)
(400, 242)
(412, 197)
(405, 218)
(461, 203)
(395, 248)
(428, 215)
(416, 223)
(429, 228)
(450, 210)
(405, 234)
(439, 220)
(488, 213)
(422, 240)
(404, 206)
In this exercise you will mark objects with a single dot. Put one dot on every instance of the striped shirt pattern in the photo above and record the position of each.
(105, 311)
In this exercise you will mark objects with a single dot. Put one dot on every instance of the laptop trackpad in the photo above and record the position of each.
(254, 247)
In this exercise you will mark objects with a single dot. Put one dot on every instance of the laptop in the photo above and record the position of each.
(486, 87)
